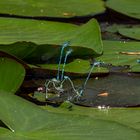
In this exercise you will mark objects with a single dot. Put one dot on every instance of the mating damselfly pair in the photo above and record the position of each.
(57, 84)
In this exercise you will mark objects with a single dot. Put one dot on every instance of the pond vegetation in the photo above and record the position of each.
(69, 70)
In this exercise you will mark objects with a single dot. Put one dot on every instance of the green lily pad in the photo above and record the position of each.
(122, 116)
(127, 7)
(133, 33)
(52, 8)
(11, 75)
(114, 28)
(3, 131)
(28, 121)
(39, 96)
(129, 31)
(78, 66)
(44, 38)
(119, 53)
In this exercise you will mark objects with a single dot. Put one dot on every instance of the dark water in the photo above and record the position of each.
(122, 89)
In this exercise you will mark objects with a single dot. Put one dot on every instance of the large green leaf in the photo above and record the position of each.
(114, 27)
(125, 30)
(126, 7)
(133, 33)
(119, 53)
(28, 121)
(46, 37)
(52, 8)
(125, 116)
(78, 66)
(11, 75)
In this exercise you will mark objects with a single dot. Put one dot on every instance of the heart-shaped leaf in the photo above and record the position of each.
(17, 34)
(28, 121)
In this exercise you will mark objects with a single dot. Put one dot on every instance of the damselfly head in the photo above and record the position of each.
(69, 51)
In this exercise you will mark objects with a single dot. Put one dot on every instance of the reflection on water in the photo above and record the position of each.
(116, 90)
